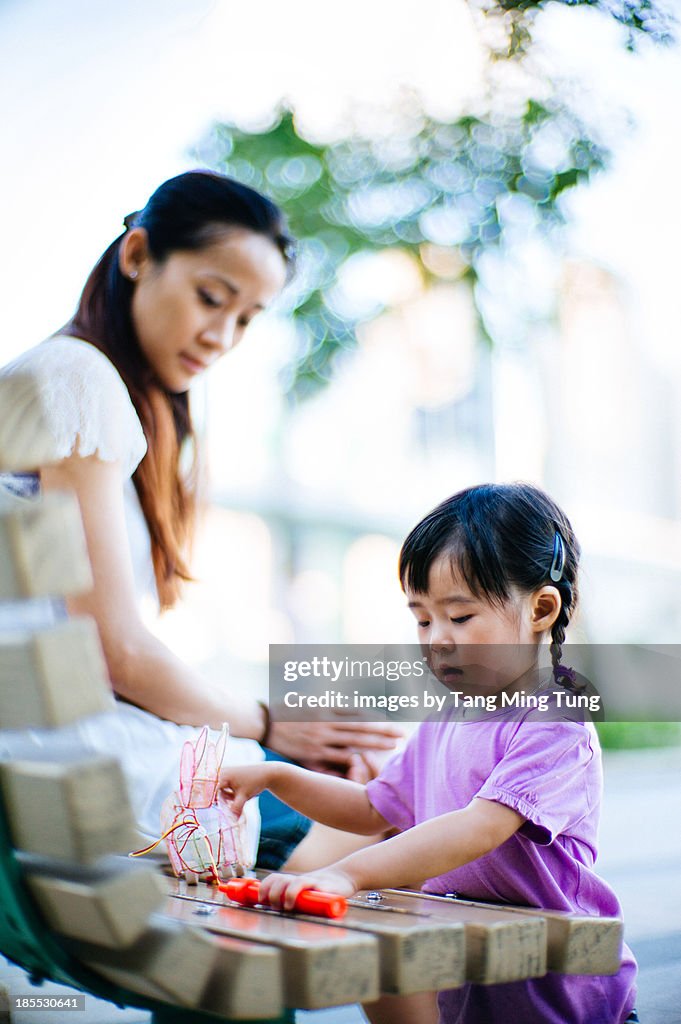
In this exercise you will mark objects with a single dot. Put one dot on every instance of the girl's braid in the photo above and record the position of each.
(563, 675)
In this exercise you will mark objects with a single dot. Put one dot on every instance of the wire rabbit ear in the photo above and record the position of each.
(200, 745)
(220, 746)
(187, 771)
(208, 768)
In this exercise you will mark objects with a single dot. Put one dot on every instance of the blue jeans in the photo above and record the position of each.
(282, 828)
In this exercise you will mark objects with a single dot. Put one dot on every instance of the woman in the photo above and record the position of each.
(168, 298)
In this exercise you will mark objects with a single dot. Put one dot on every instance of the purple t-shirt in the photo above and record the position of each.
(550, 772)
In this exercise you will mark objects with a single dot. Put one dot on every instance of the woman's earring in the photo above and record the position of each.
(132, 275)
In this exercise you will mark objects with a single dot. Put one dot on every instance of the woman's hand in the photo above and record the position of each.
(331, 746)
(280, 890)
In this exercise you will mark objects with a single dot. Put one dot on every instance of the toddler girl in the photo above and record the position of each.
(501, 807)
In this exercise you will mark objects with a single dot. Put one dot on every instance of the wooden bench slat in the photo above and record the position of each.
(500, 946)
(112, 911)
(247, 984)
(416, 953)
(322, 966)
(195, 969)
(70, 810)
(43, 550)
(576, 943)
(52, 676)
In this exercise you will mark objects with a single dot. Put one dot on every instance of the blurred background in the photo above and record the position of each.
(486, 202)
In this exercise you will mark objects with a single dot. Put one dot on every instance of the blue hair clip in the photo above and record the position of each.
(558, 563)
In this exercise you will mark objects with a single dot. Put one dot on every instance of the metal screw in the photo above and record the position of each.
(374, 897)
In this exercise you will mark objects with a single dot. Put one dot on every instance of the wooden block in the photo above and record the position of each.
(323, 966)
(576, 943)
(417, 952)
(248, 982)
(71, 810)
(52, 676)
(584, 945)
(111, 911)
(500, 947)
(26, 442)
(42, 549)
(194, 968)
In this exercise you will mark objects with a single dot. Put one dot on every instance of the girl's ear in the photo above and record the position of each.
(133, 253)
(545, 605)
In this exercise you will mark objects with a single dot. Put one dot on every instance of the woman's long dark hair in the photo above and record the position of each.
(185, 213)
(500, 536)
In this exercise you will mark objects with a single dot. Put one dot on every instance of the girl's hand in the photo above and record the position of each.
(238, 783)
(331, 745)
(279, 890)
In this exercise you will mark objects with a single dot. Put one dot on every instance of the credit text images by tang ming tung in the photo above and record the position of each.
(474, 682)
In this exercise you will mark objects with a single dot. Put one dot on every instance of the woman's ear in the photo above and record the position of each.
(545, 605)
(133, 253)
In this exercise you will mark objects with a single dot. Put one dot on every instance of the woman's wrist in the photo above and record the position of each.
(266, 723)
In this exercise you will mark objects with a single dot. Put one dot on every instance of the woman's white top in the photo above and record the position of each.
(84, 408)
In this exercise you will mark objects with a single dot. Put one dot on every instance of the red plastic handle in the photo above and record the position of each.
(241, 890)
(324, 904)
(310, 901)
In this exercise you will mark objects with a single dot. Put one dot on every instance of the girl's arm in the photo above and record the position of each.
(425, 851)
(331, 801)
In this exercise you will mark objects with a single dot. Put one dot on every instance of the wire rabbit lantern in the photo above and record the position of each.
(202, 835)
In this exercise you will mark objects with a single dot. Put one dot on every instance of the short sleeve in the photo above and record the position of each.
(63, 397)
(391, 793)
(550, 773)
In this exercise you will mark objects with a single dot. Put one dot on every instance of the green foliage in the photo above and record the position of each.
(425, 187)
(433, 184)
(632, 735)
